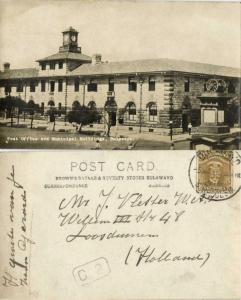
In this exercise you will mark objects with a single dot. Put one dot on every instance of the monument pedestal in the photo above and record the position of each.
(210, 130)
(213, 133)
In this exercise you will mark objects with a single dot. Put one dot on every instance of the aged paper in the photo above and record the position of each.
(120, 225)
(120, 75)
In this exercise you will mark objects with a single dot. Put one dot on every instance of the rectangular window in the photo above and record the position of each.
(8, 90)
(60, 87)
(43, 66)
(60, 65)
(111, 85)
(186, 84)
(42, 85)
(152, 84)
(132, 84)
(205, 87)
(32, 86)
(92, 86)
(76, 85)
(20, 87)
(52, 83)
(52, 65)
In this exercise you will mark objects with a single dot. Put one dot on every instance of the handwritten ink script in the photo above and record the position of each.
(114, 214)
(98, 234)
(19, 242)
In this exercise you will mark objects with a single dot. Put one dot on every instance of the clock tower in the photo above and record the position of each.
(70, 41)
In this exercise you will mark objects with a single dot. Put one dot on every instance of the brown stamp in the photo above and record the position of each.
(214, 172)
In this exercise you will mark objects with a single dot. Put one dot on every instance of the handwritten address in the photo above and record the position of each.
(114, 214)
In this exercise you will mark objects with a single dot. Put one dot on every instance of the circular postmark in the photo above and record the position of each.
(211, 174)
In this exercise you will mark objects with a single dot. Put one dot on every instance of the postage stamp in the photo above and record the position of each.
(91, 271)
(214, 172)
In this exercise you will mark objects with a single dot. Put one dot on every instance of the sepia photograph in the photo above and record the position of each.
(80, 78)
(120, 75)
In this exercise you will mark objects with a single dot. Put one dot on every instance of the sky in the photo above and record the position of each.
(207, 32)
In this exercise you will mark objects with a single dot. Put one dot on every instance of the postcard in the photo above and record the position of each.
(120, 225)
(141, 75)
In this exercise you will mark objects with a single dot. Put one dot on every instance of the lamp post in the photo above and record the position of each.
(170, 125)
(170, 120)
(84, 84)
(140, 113)
(65, 100)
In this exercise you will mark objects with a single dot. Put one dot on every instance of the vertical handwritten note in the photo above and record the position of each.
(16, 271)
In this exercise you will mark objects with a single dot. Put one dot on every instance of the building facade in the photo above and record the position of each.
(151, 93)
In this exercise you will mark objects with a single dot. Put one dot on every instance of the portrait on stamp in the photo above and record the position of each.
(214, 171)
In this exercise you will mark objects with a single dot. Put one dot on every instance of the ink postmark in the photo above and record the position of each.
(91, 271)
(211, 174)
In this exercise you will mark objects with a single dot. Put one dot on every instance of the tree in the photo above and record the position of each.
(83, 115)
(31, 109)
(10, 104)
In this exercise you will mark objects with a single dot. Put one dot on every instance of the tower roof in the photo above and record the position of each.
(67, 55)
(69, 29)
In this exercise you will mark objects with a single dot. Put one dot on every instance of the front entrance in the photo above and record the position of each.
(185, 122)
(111, 109)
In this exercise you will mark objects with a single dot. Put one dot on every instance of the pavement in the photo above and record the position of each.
(100, 129)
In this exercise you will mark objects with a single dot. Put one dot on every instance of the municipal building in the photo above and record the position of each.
(153, 92)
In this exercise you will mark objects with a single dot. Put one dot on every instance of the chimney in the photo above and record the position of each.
(6, 66)
(96, 59)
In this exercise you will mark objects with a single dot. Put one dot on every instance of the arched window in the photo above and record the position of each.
(92, 105)
(51, 103)
(31, 103)
(131, 110)
(75, 105)
(152, 111)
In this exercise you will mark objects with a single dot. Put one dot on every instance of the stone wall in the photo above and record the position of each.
(170, 97)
